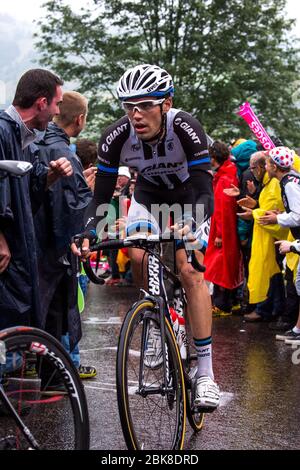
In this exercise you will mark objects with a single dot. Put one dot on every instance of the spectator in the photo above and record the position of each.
(86, 150)
(279, 165)
(58, 220)
(36, 101)
(248, 186)
(122, 187)
(223, 256)
(265, 282)
(242, 154)
(235, 142)
(292, 336)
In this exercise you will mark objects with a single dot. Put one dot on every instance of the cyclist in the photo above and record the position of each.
(168, 149)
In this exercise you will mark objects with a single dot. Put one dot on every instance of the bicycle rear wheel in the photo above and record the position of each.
(152, 417)
(43, 386)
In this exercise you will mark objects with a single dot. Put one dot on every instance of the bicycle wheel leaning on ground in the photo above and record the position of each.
(152, 413)
(43, 386)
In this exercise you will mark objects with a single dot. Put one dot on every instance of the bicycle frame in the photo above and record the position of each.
(156, 293)
(158, 296)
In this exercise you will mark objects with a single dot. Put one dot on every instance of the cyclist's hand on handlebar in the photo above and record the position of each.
(80, 245)
(83, 251)
(184, 231)
(180, 229)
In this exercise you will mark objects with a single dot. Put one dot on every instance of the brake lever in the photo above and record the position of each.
(77, 239)
(192, 259)
(196, 265)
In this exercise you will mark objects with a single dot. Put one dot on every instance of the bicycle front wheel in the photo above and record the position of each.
(41, 385)
(152, 412)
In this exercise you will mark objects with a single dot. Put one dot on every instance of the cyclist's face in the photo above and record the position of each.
(146, 118)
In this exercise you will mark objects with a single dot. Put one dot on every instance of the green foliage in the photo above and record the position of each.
(220, 53)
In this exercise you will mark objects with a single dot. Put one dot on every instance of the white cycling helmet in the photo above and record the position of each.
(145, 80)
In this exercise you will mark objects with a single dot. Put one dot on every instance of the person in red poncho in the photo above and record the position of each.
(223, 257)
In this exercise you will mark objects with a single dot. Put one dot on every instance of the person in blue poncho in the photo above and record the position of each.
(36, 101)
(59, 218)
(242, 154)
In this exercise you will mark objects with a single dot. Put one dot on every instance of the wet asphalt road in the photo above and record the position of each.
(260, 384)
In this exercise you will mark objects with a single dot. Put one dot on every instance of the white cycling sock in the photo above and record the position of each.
(204, 354)
(296, 330)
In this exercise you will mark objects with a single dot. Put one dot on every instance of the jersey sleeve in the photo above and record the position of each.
(193, 140)
(109, 152)
(110, 147)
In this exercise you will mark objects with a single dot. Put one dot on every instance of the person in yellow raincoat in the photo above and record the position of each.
(263, 265)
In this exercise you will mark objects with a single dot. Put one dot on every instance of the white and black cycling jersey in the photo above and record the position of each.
(175, 170)
(166, 164)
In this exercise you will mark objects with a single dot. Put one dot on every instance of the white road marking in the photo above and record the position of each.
(226, 397)
(101, 388)
(132, 352)
(99, 321)
(112, 348)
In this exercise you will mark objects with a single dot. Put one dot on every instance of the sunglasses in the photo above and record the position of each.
(141, 106)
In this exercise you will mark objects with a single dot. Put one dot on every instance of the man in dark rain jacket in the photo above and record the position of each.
(36, 101)
(59, 218)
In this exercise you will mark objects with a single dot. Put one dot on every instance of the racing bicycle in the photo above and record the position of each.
(155, 397)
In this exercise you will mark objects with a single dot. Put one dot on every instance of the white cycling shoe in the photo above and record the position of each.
(153, 357)
(207, 394)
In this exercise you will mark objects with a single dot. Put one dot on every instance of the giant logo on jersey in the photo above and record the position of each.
(188, 129)
(157, 168)
(113, 135)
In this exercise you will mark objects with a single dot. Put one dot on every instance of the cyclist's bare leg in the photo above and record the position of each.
(198, 298)
(207, 392)
(138, 260)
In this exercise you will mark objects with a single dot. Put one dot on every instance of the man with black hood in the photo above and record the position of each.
(36, 101)
(59, 218)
